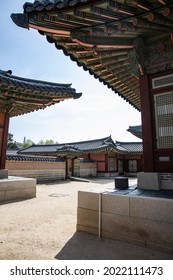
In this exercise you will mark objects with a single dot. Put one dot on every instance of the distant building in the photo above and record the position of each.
(99, 157)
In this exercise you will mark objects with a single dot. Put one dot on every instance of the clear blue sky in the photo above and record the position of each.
(98, 113)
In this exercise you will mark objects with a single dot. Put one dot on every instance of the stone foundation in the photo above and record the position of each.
(140, 220)
(155, 181)
(3, 173)
(16, 188)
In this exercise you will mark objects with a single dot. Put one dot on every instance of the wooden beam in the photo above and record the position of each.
(143, 4)
(160, 19)
(105, 13)
(121, 8)
(144, 23)
(168, 13)
(88, 16)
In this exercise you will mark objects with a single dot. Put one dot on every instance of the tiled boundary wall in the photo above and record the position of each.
(143, 221)
(88, 169)
(43, 169)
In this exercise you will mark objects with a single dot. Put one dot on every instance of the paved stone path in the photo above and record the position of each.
(44, 228)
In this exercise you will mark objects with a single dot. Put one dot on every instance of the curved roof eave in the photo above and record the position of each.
(21, 95)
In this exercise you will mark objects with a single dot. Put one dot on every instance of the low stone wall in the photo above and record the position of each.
(143, 221)
(88, 169)
(42, 169)
(155, 181)
(16, 188)
(166, 181)
(107, 174)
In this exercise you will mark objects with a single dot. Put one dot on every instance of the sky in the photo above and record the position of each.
(97, 114)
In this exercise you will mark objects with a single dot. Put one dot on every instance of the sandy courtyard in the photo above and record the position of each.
(44, 228)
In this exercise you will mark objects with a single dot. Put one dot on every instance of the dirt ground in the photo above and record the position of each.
(44, 228)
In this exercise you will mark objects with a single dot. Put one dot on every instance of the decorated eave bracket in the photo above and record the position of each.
(75, 27)
(20, 95)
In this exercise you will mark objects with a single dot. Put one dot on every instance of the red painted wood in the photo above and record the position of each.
(4, 124)
(147, 124)
(106, 163)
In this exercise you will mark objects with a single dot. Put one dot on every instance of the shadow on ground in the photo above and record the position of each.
(84, 246)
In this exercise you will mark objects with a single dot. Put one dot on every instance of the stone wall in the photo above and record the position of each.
(16, 188)
(43, 170)
(88, 169)
(46, 169)
(143, 221)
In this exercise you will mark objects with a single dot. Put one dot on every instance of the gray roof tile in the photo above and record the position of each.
(85, 147)
(131, 147)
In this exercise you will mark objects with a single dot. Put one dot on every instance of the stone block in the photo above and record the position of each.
(87, 218)
(3, 173)
(156, 209)
(15, 183)
(148, 181)
(166, 181)
(88, 200)
(87, 229)
(20, 194)
(2, 196)
(140, 229)
(143, 221)
(15, 188)
(118, 204)
(123, 238)
(158, 247)
(121, 182)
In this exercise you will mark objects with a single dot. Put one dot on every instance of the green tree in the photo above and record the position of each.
(47, 142)
(41, 142)
(10, 141)
(27, 143)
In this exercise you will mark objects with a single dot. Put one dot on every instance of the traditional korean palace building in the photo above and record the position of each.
(136, 130)
(19, 96)
(128, 46)
(93, 158)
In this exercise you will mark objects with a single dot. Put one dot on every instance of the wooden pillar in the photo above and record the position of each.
(147, 124)
(4, 124)
(66, 167)
(72, 171)
(106, 163)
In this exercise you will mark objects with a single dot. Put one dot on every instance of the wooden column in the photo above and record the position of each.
(66, 167)
(147, 124)
(4, 124)
(106, 163)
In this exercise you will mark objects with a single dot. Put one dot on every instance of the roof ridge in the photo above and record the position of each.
(67, 143)
(9, 75)
(86, 141)
(129, 142)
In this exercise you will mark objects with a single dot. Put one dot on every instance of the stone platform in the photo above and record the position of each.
(139, 217)
(16, 188)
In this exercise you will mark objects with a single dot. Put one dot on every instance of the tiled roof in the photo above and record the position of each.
(131, 147)
(114, 40)
(21, 95)
(78, 148)
(32, 158)
(136, 130)
(81, 147)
